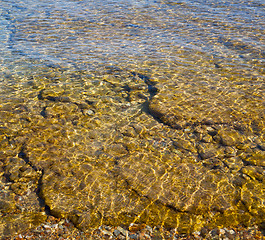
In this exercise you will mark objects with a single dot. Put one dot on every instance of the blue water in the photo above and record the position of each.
(85, 33)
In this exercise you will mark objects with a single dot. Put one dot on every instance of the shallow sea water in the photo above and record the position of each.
(146, 111)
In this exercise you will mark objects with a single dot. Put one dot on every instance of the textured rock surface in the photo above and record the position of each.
(121, 148)
(189, 105)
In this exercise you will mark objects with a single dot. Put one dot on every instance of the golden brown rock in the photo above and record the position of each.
(184, 157)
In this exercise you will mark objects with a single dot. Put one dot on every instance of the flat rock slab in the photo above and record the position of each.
(190, 105)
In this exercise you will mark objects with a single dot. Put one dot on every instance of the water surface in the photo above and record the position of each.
(115, 112)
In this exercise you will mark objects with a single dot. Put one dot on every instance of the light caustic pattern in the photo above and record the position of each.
(149, 112)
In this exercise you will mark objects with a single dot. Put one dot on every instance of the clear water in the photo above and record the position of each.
(57, 56)
(84, 34)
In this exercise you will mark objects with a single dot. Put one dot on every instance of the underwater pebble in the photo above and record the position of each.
(197, 233)
(61, 226)
(133, 236)
(54, 226)
(106, 232)
(88, 112)
(46, 226)
(116, 232)
(123, 231)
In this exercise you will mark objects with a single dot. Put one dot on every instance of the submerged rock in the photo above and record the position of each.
(102, 155)
(205, 105)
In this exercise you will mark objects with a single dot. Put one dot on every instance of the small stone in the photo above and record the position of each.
(148, 228)
(208, 121)
(61, 226)
(123, 231)
(54, 226)
(184, 144)
(128, 131)
(196, 234)
(133, 236)
(106, 232)
(136, 227)
(227, 140)
(117, 149)
(206, 152)
(215, 232)
(116, 232)
(61, 222)
(187, 129)
(222, 231)
(46, 226)
(231, 138)
(133, 227)
(88, 112)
